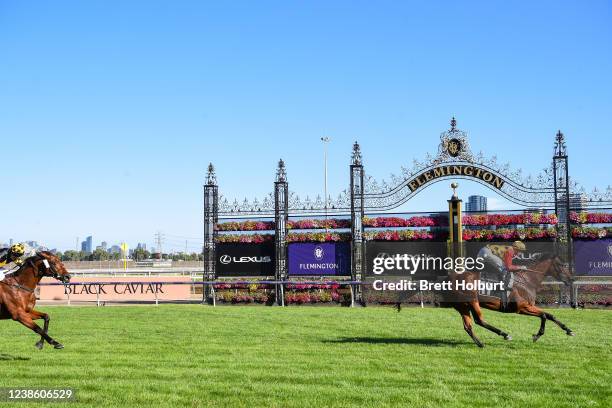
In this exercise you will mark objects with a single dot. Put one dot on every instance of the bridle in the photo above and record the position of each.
(48, 266)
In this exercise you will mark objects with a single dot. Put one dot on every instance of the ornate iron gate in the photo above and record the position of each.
(551, 190)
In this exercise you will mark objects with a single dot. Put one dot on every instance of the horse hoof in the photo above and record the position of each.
(535, 338)
(507, 337)
(39, 345)
(571, 333)
(58, 346)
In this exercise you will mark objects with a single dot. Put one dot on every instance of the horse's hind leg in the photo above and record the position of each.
(25, 319)
(35, 314)
(464, 310)
(478, 318)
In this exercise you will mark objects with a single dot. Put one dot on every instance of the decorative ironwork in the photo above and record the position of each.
(560, 148)
(526, 190)
(357, 214)
(356, 155)
(281, 216)
(211, 217)
(281, 172)
(454, 145)
(211, 177)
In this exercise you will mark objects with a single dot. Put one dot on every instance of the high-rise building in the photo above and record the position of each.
(141, 245)
(476, 203)
(577, 203)
(104, 246)
(87, 245)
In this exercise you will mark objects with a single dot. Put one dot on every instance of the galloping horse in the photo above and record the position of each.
(17, 297)
(521, 299)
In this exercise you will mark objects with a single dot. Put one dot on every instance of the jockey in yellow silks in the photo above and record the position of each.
(12, 257)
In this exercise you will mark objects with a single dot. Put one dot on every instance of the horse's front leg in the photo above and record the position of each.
(25, 319)
(531, 310)
(567, 330)
(35, 314)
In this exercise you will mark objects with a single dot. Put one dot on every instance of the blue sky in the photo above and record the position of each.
(110, 111)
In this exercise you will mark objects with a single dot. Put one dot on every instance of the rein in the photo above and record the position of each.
(18, 286)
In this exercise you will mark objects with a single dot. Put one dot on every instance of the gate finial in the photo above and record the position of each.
(211, 178)
(281, 172)
(453, 124)
(356, 156)
(560, 148)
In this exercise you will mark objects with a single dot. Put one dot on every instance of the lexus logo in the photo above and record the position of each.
(226, 259)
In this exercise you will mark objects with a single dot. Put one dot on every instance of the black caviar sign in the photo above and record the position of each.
(466, 170)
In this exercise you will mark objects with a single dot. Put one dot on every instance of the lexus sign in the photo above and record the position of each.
(237, 259)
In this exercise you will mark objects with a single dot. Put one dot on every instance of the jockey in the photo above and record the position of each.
(500, 257)
(11, 258)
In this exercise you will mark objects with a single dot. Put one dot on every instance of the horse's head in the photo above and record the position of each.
(557, 269)
(47, 264)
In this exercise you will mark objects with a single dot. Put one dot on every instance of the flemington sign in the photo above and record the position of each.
(456, 170)
(120, 288)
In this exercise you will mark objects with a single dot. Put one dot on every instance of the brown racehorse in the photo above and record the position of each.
(17, 297)
(521, 299)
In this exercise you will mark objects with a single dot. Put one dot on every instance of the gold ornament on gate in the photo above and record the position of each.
(453, 147)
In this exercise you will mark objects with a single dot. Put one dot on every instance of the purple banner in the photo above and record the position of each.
(313, 259)
(593, 257)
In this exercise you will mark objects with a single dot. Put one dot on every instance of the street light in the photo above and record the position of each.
(325, 141)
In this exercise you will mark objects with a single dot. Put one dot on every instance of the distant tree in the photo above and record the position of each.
(99, 255)
(71, 256)
(140, 254)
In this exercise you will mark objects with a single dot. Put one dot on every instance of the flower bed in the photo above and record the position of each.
(332, 223)
(230, 292)
(291, 237)
(421, 235)
(245, 238)
(319, 224)
(307, 293)
(407, 235)
(388, 222)
(508, 234)
(590, 218)
(591, 232)
(246, 226)
(318, 237)
(417, 221)
(510, 219)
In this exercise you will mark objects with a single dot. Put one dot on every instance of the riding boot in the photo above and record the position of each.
(504, 300)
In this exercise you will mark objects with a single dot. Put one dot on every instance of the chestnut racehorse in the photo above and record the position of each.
(17, 297)
(521, 299)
